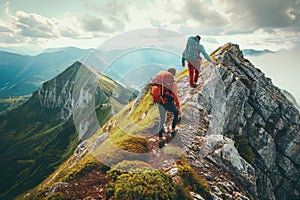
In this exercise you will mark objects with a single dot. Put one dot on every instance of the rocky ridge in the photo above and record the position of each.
(246, 130)
(253, 128)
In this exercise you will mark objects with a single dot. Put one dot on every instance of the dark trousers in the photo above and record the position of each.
(193, 73)
(162, 113)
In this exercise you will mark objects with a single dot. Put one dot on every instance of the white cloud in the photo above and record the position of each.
(96, 24)
(22, 27)
(283, 68)
(267, 14)
(114, 15)
(204, 13)
(4, 27)
(271, 24)
(188, 17)
(34, 25)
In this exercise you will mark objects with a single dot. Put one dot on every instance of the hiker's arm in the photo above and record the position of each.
(205, 54)
(175, 92)
(183, 59)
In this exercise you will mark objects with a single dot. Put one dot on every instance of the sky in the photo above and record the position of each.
(32, 26)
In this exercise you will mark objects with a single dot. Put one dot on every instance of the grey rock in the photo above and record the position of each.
(259, 112)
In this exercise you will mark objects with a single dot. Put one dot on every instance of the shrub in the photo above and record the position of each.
(137, 180)
(193, 181)
(244, 149)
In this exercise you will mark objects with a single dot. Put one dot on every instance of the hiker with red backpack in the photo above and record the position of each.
(165, 94)
(191, 54)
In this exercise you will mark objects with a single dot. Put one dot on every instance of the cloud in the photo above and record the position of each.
(91, 23)
(34, 25)
(4, 27)
(282, 68)
(188, 17)
(8, 38)
(203, 12)
(267, 14)
(114, 15)
(96, 24)
(275, 21)
(27, 27)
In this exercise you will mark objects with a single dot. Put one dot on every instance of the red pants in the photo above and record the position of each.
(194, 72)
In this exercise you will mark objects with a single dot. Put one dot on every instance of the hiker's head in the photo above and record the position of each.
(198, 37)
(172, 70)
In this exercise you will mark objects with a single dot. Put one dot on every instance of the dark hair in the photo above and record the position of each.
(198, 36)
(172, 70)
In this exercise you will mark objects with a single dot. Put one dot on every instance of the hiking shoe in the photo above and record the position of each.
(179, 120)
(195, 85)
(173, 133)
(161, 144)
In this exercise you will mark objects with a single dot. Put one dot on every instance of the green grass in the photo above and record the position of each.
(193, 181)
(244, 148)
(34, 141)
(137, 180)
(8, 104)
(65, 173)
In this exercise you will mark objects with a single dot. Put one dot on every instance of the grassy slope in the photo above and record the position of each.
(34, 141)
(125, 135)
(8, 104)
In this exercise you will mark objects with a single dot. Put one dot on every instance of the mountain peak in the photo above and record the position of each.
(66, 109)
(74, 86)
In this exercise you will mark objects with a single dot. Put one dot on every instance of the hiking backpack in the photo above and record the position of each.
(192, 50)
(161, 90)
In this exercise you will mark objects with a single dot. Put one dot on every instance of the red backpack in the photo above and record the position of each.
(162, 87)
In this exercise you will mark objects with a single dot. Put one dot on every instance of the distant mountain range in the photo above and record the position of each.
(22, 74)
(252, 52)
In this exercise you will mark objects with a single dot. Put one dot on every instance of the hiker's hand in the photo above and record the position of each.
(179, 113)
(183, 64)
(214, 62)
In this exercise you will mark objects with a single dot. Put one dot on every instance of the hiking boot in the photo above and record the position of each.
(174, 132)
(161, 144)
(179, 120)
(195, 85)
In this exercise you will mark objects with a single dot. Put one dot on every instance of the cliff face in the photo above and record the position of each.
(246, 107)
(82, 91)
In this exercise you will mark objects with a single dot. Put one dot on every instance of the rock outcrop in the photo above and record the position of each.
(248, 110)
(59, 92)
(78, 92)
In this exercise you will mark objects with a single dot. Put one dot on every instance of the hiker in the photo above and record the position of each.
(191, 54)
(165, 94)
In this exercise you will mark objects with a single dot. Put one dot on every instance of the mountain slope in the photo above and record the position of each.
(238, 139)
(42, 133)
(21, 75)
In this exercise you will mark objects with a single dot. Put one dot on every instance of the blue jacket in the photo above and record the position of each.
(193, 50)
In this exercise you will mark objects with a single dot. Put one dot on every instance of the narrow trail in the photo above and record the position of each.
(189, 141)
(164, 158)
